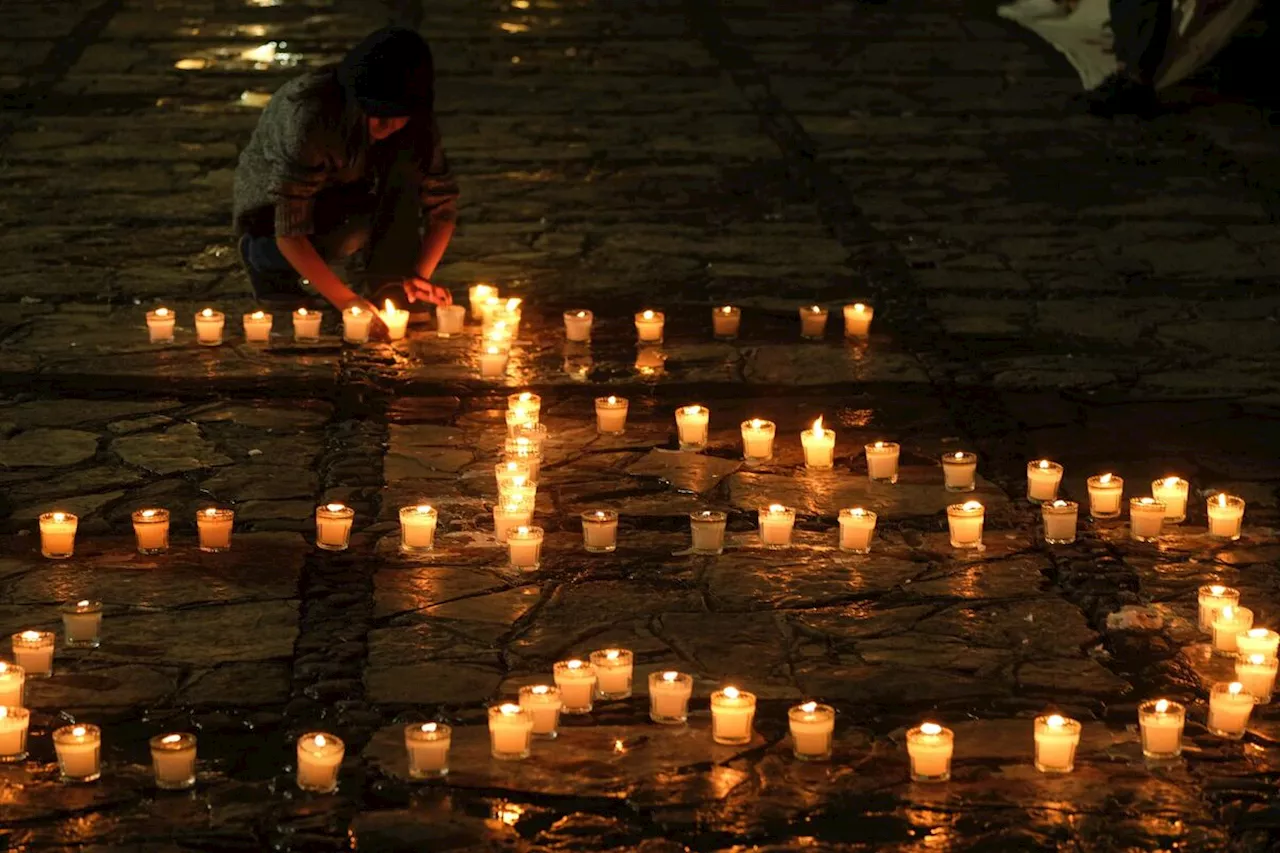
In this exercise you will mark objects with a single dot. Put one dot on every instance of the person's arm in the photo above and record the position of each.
(301, 254)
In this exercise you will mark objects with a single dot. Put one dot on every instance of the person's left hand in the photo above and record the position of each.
(421, 290)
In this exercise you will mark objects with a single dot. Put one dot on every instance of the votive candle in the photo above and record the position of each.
(929, 747)
(669, 694)
(707, 528)
(151, 530)
(1056, 739)
(757, 440)
(355, 325)
(577, 326)
(418, 528)
(209, 325)
(1257, 641)
(306, 326)
(173, 761)
(1043, 478)
(1231, 622)
(813, 322)
(965, 522)
(510, 732)
(1211, 598)
(614, 668)
(319, 759)
(1059, 519)
(510, 515)
(543, 703)
(732, 713)
(649, 326)
(1161, 722)
(725, 322)
(476, 296)
(79, 751)
(333, 526)
(160, 325)
(577, 682)
(857, 525)
(493, 362)
(1258, 675)
(82, 623)
(600, 531)
(960, 471)
(1173, 492)
(213, 528)
(1229, 708)
(611, 415)
(15, 722)
(1146, 519)
(13, 679)
(882, 461)
(691, 427)
(257, 328)
(1105, 494)
(396, 321)
(58, 534)
(427, 746)
(776, 523)
(812, 727)
(819, 447)
(857, 320)
(1226, 516)
(524, 547)
(33, 652)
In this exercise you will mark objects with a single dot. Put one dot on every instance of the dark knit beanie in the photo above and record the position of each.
(390, 73)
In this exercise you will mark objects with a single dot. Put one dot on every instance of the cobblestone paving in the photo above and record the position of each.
(1046, 284)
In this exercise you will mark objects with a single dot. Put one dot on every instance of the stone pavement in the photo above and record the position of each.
(1046, 285)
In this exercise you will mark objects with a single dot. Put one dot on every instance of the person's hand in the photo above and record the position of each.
(421, 290)
(377, 328)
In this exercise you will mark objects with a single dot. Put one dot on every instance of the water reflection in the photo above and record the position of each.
(507, 813)
(191, 63)
(259, 100)
(513, 27)
(651, 362)
(272, 53)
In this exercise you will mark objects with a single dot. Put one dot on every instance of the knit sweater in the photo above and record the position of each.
(293, 155)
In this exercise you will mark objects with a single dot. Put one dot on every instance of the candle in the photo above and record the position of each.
(528, 404)
(959, 471)
(669, 694)
(813, 322)
(964, 522)
(757, 440)
(319, 758)
(577, 682)
(160, 323)
(355, 325)
(209, 327)
(523, 449)
(476, 296)
(732, 713)
(1146, 518)
(611, 415)
(81, 623)
(516, 489)
(882, 461)
(1105, 492)
(812, 726)
(1257, 641)
(691, 426)
(1258, 675)
(417, 528)
(58, 534)
(707, 527)
(600, 531)
(1229, 708)
(725, 321)
(510, 732)
(33, 651)
(1043, 478)
(1173, 491)
(857, 320)
(489, 306)
(1231, 622)
(543, 703)
(535, 436)
(508, 516)
(450, 320)
(1226, 516)
(929, 746)
(12, 680)
(524, 547)
(1161, 723)
(214, 528)
(577, 326)
(1211, 599)
(306, 326)
(856, 528)
(79, 750)
(614, 668)
(819, 447)
(511, 313)
(173, 760)
(257, 328)
(776, 522)
(505, 473)
(333, 526)
(1059, 520)
(517, 419)
(493, 362)
(151, 530)
(427, 747)
(396, 321)
(649, 326)
(1056, 739)
(14, 723)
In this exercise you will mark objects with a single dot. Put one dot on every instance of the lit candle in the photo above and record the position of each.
(506, 472)
(543, 703)
(33, 651)
(1231, 622)
(417, 528)
(306, 326)
(489, 307)
(319, 759)
(355, 325)
(173, 761)
(396, 321)
(81, 623)
(1059, 520)
(813, 322)
(611, 415)
(151, 530)
(649, 326)
(857, 320)
(476, 296)
(517, 419)
(856, 528)
(14, 723)
(577, 682)
(523, 449)
(58, 534)
(214, 525)
(450, 320)
(1258, 675)
(524, 547)
(929, 746)
(1146, 519)
(1257, 641)
(508, 516)
(707, 527)
(510, 732)
(528, 404)
(819, 447)
(732, 713)
(600, 531)
(1226, 516)
(812, 726)
(257, 328)
(516, 489)
(535, 435)
(1173, 491)
(1211, 599)
(427, 747)
(691, 426)
(669, 694)
(757, 440)
(1043, 479)
(160, 323)
(1161, 722)
(209, 327)
(964, 522)
(776, 523)
(511, 313)
(577, 326)
(1229, 708)
(1105, 493)
(882, 461)
(1056, 739)
(614, 668)
(13, 679)
(79, 750)
(960, 471)
(725, 321)
(493, 362)
(333, 526)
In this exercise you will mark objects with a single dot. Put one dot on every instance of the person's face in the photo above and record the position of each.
(381, 128)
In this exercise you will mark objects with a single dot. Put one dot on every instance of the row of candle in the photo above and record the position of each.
(1233, 635)
(357, 325)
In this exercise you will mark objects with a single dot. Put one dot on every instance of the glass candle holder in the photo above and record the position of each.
(1043, 479)
(691, 427)
(396, 321)
(960, 471)
(614, 668)
(725, 322)
(1056, 739)
(15, 722)
(757, 440)
(209, 325)
(333, 526)
(819, 446)
(509, 516)
(257, 328)
(733, 712)
(79, 751)
(600, 531)
(1257, 641)
(1226, 516)
(1229, 709)
(534, 434)
(929, 747)
(776, 524)
(319, 760)
(476, 296)
(1172, 491)
(965, 522)
(1146, 519)
(1106, 492)
(882, 461)
(707, 527)
(524, 547)
(151, 530)
(857, 525)
(1161, 722)
(493, 362)
(160, 325)
(1059, 518)
(1211, 599)
(82, 623)
(173, 761)
(669, 694)
(516, 419)
(13, 680)
(857, 320)
(427, 747)
(812, 727)
(611, 415)
(490, 305)
(450, 320)
(355, 325)
(213, 527)
(517, 489)
(510, 732)
(649, 326)
(418, 528)
(528, 403)
(1258, 675)
(306, 326)
(813, 322)
(577, 326)
(58, 534)
(1227, 628)
(506, 470)
(33, 652)
(543, 703)
(577, 682)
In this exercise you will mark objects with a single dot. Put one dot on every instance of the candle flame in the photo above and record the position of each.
(211, 512)
(491, 301)
(816, 309)
(512, 507)
(355, 310)
(756, 423)
(541, 689)
(959, 454)
(79, 731)
(389, 307)
(666, 676)
(424, 509)
(1056, 721)
(930, 729)
(648, 315)
(59, 516)
(600, 515)
(429, 727)
(582, 315)
(971, 505)
(335, 507)
(1257, 660)
(692, 410)
(859, 307)
(1162, 706)
(731, 693)
(817, 428)
(858, 512)
(302, 312)
(1044, 464)
(612, 654)
(258, 315)
(1217, 590)
(208, 312)
(1258, 633)
(4, 712)
(612, 399)
(1147, 501)
(31, 635)
(492, 350)
(1059, 502)
(777, 508)
(1222, 500)
(525, 397)
(1170, 482)
(171, 739)
(1235, 688)
(522, 531)
(879, 445)
(162, 312)
(522, 443)
(513, 303)
(1105, 479)
(83, 604)
(4, 667)
(320, 741)
(574, 664)
(1228, 613)
(809, 707)
(728, 309)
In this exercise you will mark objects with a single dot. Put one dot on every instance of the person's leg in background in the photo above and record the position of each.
(1140, 30)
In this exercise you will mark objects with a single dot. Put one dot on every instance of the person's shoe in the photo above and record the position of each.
(1026, 10)
(273, 289)
(1121, 94)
